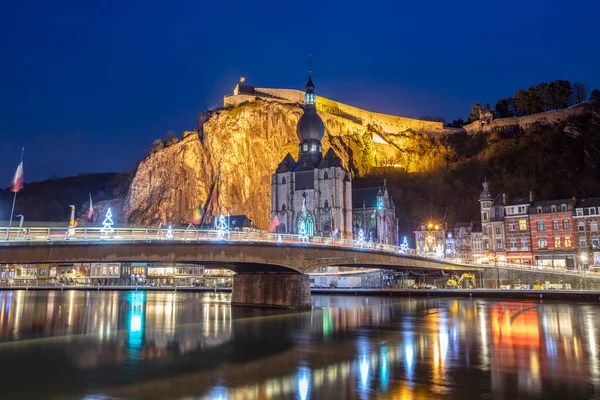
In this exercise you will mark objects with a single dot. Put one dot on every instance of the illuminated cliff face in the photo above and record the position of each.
(245, 144)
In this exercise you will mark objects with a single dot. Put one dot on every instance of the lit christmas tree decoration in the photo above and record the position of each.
(404, 246)
(107, 223)
(361, 237)
(302, 232)
(169, 232)
(222, 228)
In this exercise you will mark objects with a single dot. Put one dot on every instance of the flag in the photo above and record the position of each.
(91, 210)
(17, 183)
(274, 224)
(72, 219)
(197, 217)
(304, 204)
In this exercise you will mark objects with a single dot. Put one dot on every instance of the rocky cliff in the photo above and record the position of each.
(243, 145)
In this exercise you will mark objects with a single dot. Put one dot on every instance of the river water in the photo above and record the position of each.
(72, 345)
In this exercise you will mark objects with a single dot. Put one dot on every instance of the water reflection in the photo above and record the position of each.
(192, 345)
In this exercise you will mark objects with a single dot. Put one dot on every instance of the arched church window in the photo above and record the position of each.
(283, 207)
(325, 175)
(308, 224)
(283, 181)
(326, 205)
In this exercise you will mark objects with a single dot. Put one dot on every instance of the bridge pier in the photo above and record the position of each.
(271, 290)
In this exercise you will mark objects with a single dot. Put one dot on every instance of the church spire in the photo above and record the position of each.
(309, 97)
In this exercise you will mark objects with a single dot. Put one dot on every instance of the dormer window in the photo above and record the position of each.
(553, 209)
(563, 207)
(592, 211)
(579, 211)
(539, 210)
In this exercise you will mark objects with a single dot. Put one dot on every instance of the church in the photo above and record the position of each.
(316, 190)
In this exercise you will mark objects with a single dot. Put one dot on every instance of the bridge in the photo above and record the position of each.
(270, 267)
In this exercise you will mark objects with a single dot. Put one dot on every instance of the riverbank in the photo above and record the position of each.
(568, 295)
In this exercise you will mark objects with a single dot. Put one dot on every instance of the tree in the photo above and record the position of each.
(501, 109)
(580, 92)
(561, 94)
(545, 93)
(512, 108)
(474, 116)
(457, 123)
(595, 95)
(487, 108)
(528, 101)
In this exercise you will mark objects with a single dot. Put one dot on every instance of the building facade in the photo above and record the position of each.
(492, 222)
(374, 212)
(552, 238)
(314, 192)
(517, 240)
(430, 240)
(586, 220)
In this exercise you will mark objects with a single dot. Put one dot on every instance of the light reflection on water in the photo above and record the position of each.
(194, 345)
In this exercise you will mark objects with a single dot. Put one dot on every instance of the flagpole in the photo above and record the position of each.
(12, 211)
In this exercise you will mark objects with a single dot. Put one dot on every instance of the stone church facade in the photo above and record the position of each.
(316, 189)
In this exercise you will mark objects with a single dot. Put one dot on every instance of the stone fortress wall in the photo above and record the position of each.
(524, 122)
(390, 124)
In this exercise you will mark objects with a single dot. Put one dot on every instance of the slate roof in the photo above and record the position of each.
(288, 164)
(589, 202)
(331, 159)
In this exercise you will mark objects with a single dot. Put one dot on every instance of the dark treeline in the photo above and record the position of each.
(535, 99)
(49, 200)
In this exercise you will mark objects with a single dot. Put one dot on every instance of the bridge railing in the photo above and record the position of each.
(51, 235)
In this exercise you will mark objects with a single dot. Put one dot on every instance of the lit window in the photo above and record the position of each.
(313, 147)
(522, 224)
(557, 241)
(304, 147)
(567, 241)
(542, 243)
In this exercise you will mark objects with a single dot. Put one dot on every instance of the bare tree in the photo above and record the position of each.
(580, 92)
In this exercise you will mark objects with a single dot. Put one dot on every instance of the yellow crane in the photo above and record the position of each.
(466, 279)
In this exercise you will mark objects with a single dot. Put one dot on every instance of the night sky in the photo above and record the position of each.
(87, 86)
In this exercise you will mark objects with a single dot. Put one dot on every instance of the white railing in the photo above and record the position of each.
(97, 235)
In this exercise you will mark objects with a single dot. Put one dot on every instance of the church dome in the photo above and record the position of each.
(310, 126)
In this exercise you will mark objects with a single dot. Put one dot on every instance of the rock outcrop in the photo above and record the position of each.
(242, 145)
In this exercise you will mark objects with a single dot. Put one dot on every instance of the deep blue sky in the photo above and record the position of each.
(87, 86)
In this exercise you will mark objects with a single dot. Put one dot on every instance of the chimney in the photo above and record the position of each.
(504, 198)
(531, 197)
